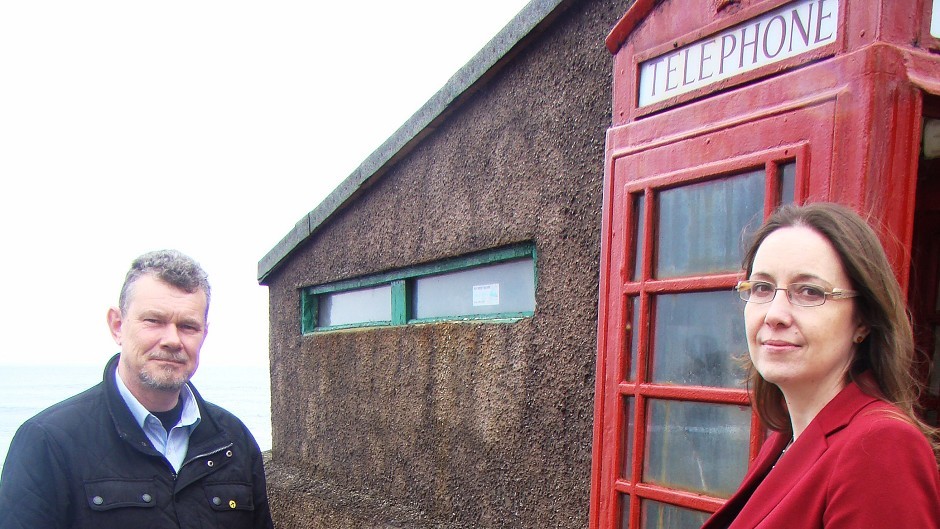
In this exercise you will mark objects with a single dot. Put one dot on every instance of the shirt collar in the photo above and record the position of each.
(189, 417)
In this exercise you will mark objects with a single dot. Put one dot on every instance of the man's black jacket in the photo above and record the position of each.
(85, 463)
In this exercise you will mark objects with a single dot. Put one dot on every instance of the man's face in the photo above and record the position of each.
(160, 336)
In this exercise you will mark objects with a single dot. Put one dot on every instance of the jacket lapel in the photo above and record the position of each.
(780, 479)
(799, 458)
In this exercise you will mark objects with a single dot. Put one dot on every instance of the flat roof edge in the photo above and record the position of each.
(460, 85)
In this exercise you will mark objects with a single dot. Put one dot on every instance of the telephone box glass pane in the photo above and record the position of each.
(788, 183)
(697, 447)
(629, 424)
(503, 288)
(640, 207)
(699, 337)
(624, 511)
(700, 225)
(633, 335)
(657, 515)
(365, 305)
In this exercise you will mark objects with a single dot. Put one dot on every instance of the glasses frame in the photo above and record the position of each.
(744, 292)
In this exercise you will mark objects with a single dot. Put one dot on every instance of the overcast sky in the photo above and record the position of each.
(210, 127)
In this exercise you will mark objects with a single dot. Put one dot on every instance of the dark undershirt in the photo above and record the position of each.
(170, 418)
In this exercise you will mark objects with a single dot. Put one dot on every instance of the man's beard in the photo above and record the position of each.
(164, 379)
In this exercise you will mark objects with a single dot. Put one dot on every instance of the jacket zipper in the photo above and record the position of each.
(205, 454)
(215, 451)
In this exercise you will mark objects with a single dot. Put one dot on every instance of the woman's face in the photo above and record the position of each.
(806, 351)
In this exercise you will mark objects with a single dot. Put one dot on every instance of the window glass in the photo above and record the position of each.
(658, 515)
(626, 467)
(498, 284)
(788, 183)
(365, 305)
(503, 288)
(633, 335)
(698, 339)
(700, 225)
(639, 207)
(697, 447)
(624, 511)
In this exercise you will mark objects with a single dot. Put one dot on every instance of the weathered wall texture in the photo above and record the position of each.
(459, 424)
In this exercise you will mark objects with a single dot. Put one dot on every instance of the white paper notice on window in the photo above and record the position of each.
(485, 295)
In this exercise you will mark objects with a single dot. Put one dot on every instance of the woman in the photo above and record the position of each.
(831, 352)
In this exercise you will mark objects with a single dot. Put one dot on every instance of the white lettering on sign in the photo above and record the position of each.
(786, 32)
(485, 295)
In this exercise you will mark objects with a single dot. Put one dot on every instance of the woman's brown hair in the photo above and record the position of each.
(888, 350)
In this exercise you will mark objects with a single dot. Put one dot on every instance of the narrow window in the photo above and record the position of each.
(495, 285)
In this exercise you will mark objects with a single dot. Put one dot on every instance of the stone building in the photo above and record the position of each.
(469, 417)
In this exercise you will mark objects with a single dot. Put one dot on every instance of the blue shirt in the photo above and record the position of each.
(172, 445)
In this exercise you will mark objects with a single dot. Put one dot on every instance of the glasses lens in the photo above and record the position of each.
(760, 292)
(744, 290)
(806, 295)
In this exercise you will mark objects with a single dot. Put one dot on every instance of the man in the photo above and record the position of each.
(141, 449)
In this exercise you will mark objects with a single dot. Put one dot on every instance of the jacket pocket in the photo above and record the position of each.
(120, 504)
(228, 497)
(109, 494)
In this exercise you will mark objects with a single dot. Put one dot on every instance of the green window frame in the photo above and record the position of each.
(402, 283)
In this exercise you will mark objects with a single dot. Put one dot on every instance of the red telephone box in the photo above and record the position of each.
(723, 110)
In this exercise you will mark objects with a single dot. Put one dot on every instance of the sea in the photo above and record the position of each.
(27, 390)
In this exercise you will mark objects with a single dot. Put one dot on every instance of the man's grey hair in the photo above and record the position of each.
(170, 266)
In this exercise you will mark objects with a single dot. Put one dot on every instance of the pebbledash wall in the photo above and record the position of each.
(470, 423)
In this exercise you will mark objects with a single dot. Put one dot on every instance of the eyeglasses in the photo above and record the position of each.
(801, 294)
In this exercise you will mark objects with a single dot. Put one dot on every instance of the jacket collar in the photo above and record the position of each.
(800, 457)
(189, 414)
(207, 432)
(124, 422)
